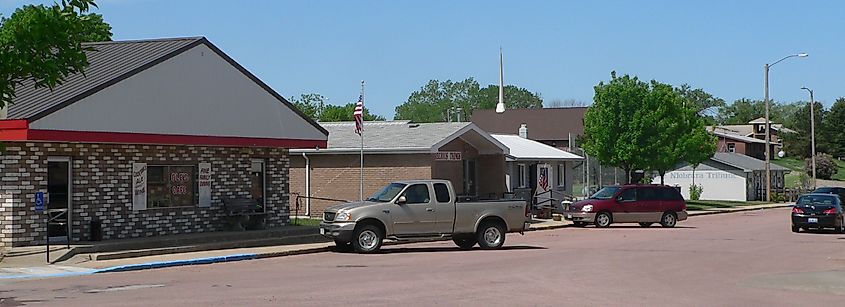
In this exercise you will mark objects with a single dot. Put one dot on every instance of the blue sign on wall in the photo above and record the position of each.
(39, 201)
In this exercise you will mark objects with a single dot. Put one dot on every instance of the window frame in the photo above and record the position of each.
(166, 181)
(410, 186)
(446, 189)
(561, 175)
(522, 173)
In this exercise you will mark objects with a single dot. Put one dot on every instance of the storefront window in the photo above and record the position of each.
(171, 186)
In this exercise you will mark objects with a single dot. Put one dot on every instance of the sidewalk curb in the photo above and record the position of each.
(700, 213)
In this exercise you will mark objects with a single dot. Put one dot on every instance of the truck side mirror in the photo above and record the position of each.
(402, 200)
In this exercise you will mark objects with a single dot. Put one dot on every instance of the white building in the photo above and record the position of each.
(727, 176)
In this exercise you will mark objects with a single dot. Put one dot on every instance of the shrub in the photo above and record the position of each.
(695, 191)
(825, 166)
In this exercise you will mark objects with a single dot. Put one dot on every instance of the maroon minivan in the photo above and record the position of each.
(644, 204)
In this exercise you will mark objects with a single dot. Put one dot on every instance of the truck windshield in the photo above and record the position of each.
(387, 193)
(605, 193)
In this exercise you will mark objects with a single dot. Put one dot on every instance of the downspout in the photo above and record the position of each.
(307, 184)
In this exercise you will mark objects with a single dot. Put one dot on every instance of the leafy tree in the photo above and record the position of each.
(333, 113)
(44, 44)
(438, 101)
(825, 166)
(515, 98)
(742, 111)
(311, 104)
(679, 129)
(834, 128)
(799, 143)
(615, 126)
(703, 103)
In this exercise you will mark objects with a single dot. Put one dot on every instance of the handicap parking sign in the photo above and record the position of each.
(39, 201)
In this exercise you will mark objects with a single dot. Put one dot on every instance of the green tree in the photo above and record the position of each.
(702, 102)
(616, 125)
(440, 101)
(311, 104)
(834, 128)
(742, 111)
(515, 98)
(333, 113)
(799, 143)
(44, 44)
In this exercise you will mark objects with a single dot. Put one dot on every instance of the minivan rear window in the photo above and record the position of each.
(670, 194)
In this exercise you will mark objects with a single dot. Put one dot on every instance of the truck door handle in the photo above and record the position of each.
(385, 211)
(429, 209)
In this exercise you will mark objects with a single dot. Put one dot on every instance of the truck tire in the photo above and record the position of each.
(367, 239)
(491, 235)
(465, 242)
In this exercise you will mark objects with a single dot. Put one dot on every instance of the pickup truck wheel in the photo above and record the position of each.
(668, 220)
(603, 219)
(464, 243)
(491, 235)
(367, 239)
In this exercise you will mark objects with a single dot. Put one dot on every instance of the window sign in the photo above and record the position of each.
(139, 186)
(204, 183)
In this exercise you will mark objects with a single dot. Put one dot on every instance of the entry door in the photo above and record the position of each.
(418, 215)
(59, 187)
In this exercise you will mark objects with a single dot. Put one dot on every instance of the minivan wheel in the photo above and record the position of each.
(579, 224)
(668, 220)
(603, 219)
(646, 225)
(796, 228)
(367, 239)
(491, 235)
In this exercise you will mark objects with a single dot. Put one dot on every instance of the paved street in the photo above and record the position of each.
(748, 258)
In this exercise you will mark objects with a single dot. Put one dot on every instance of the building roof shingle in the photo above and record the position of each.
(744, 162)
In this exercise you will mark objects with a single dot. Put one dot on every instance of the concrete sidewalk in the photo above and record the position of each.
(34, 266)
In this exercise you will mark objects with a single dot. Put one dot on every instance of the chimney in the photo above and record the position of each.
(523, 131)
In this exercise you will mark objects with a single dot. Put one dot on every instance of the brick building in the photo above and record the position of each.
(398, 150)
(149, 142)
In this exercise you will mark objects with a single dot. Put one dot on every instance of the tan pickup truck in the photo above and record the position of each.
(422, 209)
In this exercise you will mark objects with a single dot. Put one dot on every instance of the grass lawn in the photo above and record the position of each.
(305, 222)
(713, 204)
(793, 179)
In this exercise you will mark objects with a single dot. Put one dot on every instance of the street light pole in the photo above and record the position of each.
(768, 124)
(812, 132)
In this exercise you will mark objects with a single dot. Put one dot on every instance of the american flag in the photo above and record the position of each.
(543, 181)
(359, 115)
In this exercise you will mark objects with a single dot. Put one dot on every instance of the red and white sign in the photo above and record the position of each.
(204, 184)
(448, 156)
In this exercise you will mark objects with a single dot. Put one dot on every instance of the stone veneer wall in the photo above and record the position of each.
(101, 175)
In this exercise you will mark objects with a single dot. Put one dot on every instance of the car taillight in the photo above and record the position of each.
(797, 210)
(830, 211)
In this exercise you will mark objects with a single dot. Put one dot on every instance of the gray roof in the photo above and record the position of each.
(399, 137)
(109, 61)
(744, 162)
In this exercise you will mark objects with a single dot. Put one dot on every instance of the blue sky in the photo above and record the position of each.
(558, 48)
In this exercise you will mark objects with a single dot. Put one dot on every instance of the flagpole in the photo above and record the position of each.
(361, 188)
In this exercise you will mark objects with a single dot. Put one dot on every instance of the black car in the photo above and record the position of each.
(817, 211)
(831, 190)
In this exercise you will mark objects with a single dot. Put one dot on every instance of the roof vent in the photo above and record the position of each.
(523, 131)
